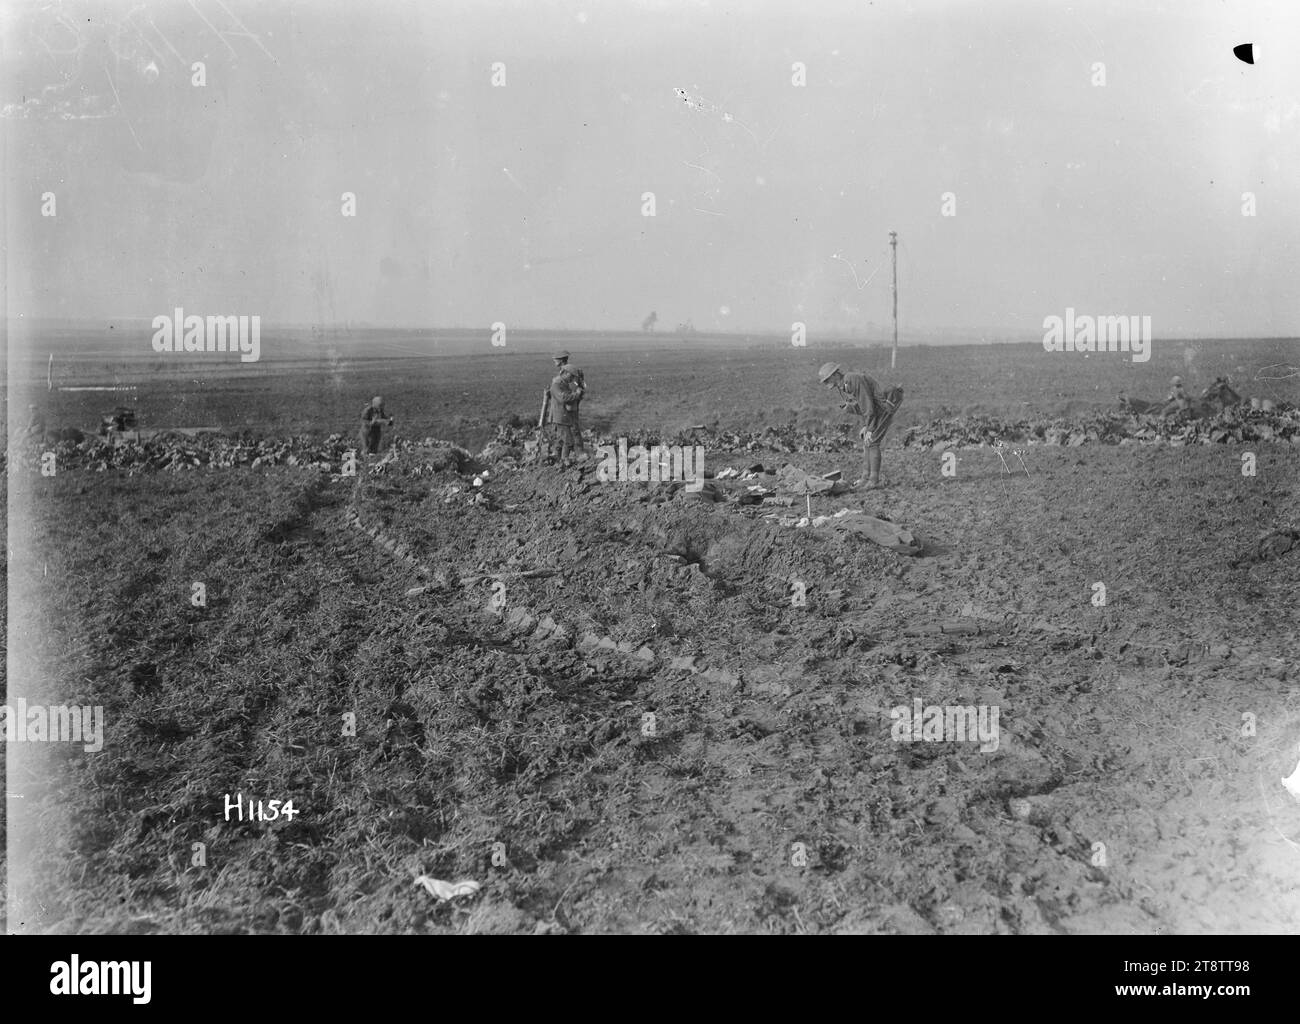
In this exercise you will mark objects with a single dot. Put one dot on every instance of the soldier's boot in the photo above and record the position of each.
(873, 467)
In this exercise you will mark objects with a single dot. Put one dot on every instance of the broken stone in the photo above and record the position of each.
(723, 677)
(943, 811)
(521, 619)
(1034, 809)
(686, 663)
(709, 492)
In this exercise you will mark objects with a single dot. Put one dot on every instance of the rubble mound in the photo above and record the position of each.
(173, 452)
(1233, 425)
(515, 443)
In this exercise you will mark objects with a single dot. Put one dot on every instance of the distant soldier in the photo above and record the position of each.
(578, 381)
(861, 396)
(567, 389)
(372, 420)
(1221, 391)
(1176, 400)
(114, 427)
(35, 429)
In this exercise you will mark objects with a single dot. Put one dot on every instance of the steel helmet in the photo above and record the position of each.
(824, 374)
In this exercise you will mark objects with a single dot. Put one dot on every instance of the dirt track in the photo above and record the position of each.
(1118, 725)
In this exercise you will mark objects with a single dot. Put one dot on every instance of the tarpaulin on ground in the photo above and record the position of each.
(790, 479)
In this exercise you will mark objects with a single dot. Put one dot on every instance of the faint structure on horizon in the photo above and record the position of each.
(648, 324)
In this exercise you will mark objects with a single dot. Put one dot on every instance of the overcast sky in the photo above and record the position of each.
(523, 203)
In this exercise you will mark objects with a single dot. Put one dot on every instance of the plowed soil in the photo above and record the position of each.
(650, 734)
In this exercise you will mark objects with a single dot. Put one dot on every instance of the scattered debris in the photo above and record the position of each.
(527, 574)
(1261, 421)
(790, 479)
(880, 531)
(1236, 424)
(951, 627)
(447, 890)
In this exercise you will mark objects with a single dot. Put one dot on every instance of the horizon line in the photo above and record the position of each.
(1009, 335)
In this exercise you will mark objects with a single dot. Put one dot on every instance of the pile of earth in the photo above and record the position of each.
(1234, 424)
(516, 441)
(175, 453)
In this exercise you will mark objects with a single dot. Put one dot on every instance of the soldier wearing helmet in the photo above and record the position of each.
(35, 424)
(568, 387)
(372, 418)
(1176, 400)
(861, 396)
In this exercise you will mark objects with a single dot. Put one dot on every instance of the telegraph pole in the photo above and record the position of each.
(893, 244)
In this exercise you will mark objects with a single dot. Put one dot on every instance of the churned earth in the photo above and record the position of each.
(606, 704)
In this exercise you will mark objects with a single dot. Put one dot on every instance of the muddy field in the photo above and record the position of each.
(605, 703)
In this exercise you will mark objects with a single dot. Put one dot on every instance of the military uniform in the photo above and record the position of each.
(372, 417)
(567, 389)
(1176, 401)
(579, 382)
(565, 395)
(861, 396)
(35, 425)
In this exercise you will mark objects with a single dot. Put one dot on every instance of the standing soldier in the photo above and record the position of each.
(579, 383)
(566, 394)
(35, 424)
(861, 397)
(372, 417)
